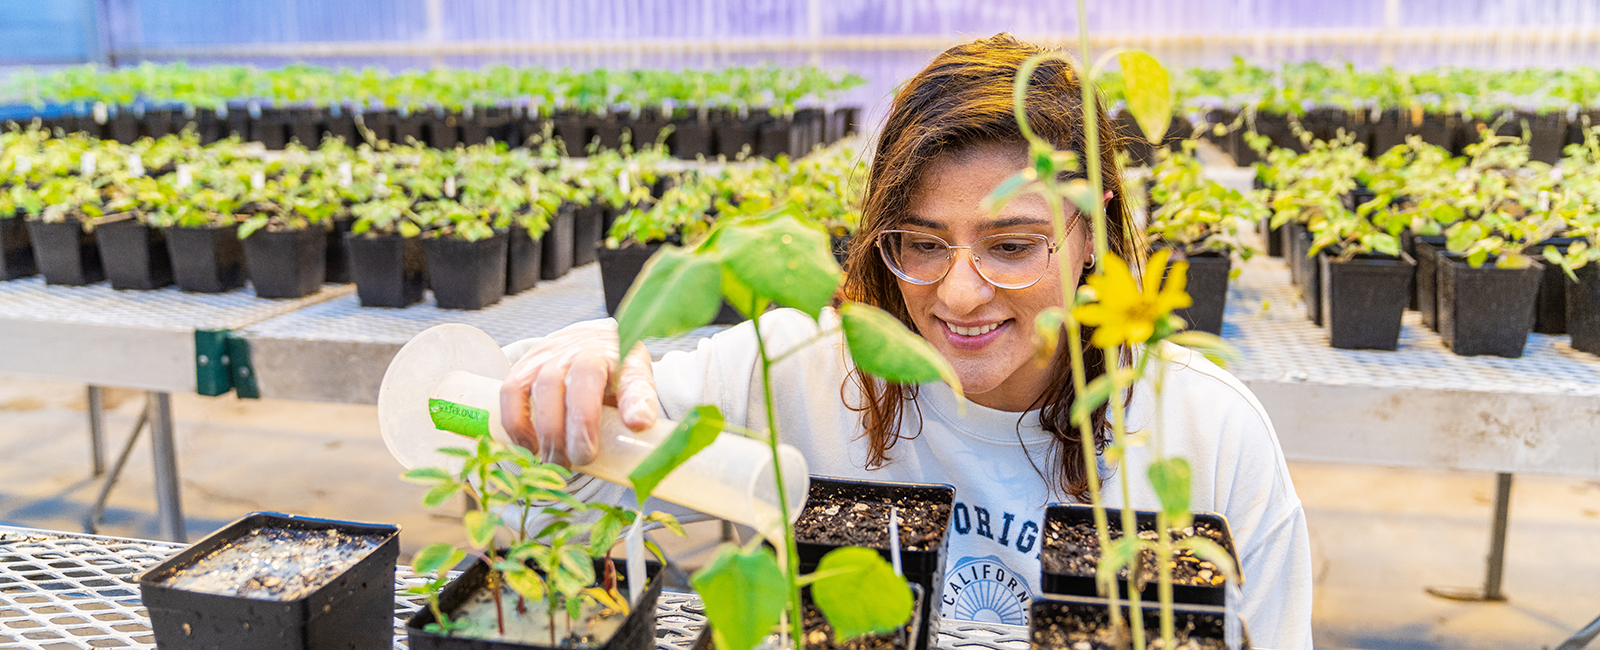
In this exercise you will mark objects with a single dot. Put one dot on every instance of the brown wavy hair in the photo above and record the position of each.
(963, 98)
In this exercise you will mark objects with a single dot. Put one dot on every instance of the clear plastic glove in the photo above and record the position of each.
(550, 403)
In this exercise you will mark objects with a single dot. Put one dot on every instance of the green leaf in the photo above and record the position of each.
(1094, 394)
(436, 557)
(1170, 478)
(669, 522)
(1148, 89)
(604, 535)
(696, 431)
(1047, 333)
(882, 347)
(784, 261)
(676, 292)
(427, 475)
(1120, 554)
(527, 583)
(437, 496)
(744, 593)
(1007, 190)
(480, 527)
(864, 596)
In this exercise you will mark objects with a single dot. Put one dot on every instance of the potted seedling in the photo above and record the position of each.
(747, 591)
(273, 581)
(285, 246)
(202, 234)
(546, 587)
(1081, 623)
(1199, 218)
(134, 253)
(466, 257)
(19, 150)
(62, 231)
(386, 259)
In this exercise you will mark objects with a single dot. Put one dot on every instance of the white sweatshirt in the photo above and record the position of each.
(1209, 418)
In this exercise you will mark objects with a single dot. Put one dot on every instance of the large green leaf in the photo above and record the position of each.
(436, 557)
(744, 593)
(861, 594)
(695, 432)
(1170, 478)
(882, 347)
(676, 292)
(1149, 93)
(480, 527)
(784, 261)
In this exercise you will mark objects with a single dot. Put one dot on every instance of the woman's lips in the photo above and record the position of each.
(962, 342)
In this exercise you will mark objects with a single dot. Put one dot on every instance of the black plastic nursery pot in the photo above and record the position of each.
(638, 630)
(1069, 552)
(288, 263)
(691, 139)
(466, 274)
(573, 129)
(389, 271)
(1207, 284)
(1583, 309)
(1084, 623)
(524, 257)
(619, 267)
(209, 259)
(337, 268)
(1426, 250)
(1303, 269)
(1271, 238)
(66, 252)
(1550, 307)
(588, 228)
(352, 609)
(1363, 300)
(135, 255)
(735, 135)
(924, 514)
(1486, 310)
(557, 242)
(16, 249)
(819, 633)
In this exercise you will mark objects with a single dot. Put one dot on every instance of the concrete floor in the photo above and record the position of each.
(1379, 535)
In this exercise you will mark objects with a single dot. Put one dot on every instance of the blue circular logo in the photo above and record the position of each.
(984, 589)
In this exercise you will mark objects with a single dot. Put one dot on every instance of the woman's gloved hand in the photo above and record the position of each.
(550, 403)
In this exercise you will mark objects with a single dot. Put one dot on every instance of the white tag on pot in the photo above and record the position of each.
(135, 165)
(383, 179)
(450, 186)
(100, 113)
(533, 189)
(258, 179)
(185, 176)
(86, 165)
(345, 177)
(622, 181)
(23, 165)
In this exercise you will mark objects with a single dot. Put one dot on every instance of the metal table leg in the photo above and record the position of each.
(1497, 551)
(97, 423)
(1581, 640)
(168, 506)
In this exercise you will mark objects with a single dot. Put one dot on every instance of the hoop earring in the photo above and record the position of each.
(1089, 264)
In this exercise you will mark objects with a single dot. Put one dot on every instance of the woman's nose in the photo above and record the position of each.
(963, 288)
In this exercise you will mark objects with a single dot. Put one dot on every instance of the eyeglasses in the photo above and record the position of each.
(1007, 261)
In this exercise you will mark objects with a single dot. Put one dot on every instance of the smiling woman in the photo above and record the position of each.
(970, 281)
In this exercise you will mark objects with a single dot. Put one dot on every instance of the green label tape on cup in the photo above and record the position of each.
(459, 418)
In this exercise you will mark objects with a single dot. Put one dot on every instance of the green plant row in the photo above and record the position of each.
(1296, 87)
(1492, 205)
(463, 193)
(778, 89)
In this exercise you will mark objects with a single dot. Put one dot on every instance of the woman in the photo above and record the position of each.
(949, 139)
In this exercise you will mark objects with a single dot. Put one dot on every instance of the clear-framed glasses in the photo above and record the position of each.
(1008, 261)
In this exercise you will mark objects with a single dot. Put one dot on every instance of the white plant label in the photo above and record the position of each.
(100, 113)
(185, 176)
(258, 179)
(23, 165)
(622, 181)
(383, 179)
(135, 165)
(533, 189)
(450, 186)
(86, 165)
(345, 174)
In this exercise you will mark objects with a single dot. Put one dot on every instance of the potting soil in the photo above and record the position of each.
(529, 622)
(849, 522)
(275, 563)
(1081, 554)
(819, 635)
(1072, 637)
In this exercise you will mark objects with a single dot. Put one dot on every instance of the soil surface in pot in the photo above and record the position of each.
(529, 622)
(1073, 636)
(845, 521)
(819, 634)
(275, 563)
(1080, 555)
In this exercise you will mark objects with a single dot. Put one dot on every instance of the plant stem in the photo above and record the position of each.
(1091, 456)
(1164, 570)
(1091, 121)
(1130, 526)
(791, 565)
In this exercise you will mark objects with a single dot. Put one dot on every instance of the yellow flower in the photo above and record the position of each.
(1121, 312)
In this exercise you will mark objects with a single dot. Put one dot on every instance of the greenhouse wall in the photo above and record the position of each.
(884, 41)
